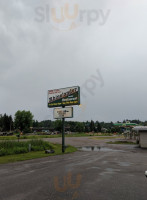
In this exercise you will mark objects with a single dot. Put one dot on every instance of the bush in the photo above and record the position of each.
(17, 131)
(12, 147)
(2, 152)
(27, 130)
(37, 148)
(19, 150)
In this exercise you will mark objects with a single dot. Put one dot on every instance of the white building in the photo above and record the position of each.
(142, 135)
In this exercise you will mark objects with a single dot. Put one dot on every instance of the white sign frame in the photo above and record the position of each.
(60, 113)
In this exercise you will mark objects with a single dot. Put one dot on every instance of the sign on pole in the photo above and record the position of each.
(61, 98)
(60, 113)
(64, 97)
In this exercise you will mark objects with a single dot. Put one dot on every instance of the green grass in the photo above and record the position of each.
(34, 155)
(52, 136)
(28, 137)
(77, 135)
(13, 147)
(104, 138)
(122, 142)
(8, 137)
(87, 134)
(41, 136)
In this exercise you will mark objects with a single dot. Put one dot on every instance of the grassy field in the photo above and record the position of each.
(122, 142)
(32, 137)
(14, 147)
(51, 136)
(106, 138)
(11, 151)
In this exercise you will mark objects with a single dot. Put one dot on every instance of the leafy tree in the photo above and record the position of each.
(87, 127)
(1, 123)
(23, 120)
(115, 129)
(58, 125)
(97, 126)
(46, 123)
(6, 123)
(35, 123)
(79, 127)
(72, 125)
(11, 123)
(145, 123)
(137, 121)
(92, 127)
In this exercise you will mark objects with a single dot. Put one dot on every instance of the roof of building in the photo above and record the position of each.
(125, 124)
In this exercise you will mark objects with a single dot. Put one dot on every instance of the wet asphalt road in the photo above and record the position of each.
(110, 173)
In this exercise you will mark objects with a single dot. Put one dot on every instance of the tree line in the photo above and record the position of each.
(24, 121)
(88, 126)
(72, 126)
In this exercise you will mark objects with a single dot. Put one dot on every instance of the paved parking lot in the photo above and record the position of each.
(111, 172)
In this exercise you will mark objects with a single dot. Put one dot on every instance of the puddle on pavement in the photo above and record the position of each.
(109, 171)
(97, 148)
(124, 164)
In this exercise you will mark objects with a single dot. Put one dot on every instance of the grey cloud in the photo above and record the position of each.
(34, 57)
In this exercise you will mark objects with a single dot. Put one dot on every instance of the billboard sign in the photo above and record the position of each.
(64, 97)
(60, 113)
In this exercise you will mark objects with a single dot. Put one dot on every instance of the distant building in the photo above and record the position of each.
(142, 135)
(42, 129)
(126, 126)
(104, 130)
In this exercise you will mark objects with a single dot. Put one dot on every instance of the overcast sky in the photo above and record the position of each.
(102, 48)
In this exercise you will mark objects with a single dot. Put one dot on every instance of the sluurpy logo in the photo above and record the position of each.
(68, 185)
(67, 15)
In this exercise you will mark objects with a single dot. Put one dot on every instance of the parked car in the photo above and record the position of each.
(6, 133)
(9, 133)
(3, 134)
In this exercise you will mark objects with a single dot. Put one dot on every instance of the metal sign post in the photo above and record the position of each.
(62, 113)
(63, 135)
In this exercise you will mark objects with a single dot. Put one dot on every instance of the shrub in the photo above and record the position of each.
(19, 150)
(37, 148)
(13, 147)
